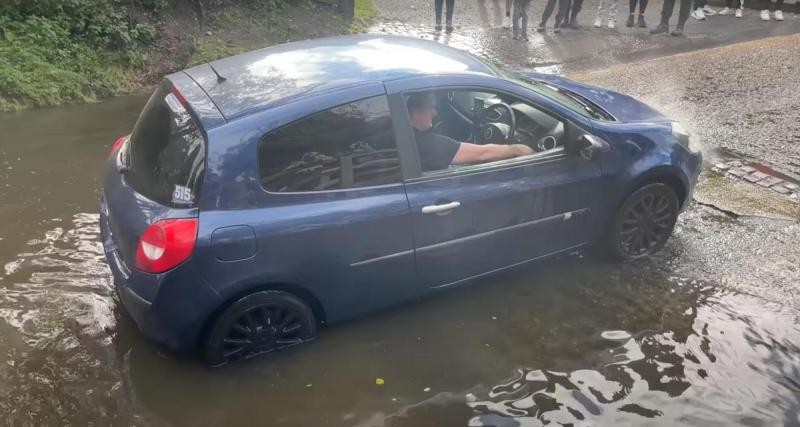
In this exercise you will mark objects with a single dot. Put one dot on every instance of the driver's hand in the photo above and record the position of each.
(522, 150)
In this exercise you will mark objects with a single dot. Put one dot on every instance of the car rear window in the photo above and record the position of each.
(166, 152)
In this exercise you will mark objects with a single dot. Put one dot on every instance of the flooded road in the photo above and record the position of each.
(663, 341)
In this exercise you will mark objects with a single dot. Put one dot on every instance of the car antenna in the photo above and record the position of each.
(220, 79)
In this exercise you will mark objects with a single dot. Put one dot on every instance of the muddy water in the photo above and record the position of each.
(566, 341)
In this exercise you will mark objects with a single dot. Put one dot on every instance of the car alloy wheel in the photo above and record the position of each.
(644, 222)
(259, 323)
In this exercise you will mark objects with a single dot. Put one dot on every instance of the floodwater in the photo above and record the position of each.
(569, 341)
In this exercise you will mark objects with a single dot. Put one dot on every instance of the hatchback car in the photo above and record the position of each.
(263, 195)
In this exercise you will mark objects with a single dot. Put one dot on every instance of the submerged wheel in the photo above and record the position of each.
(257, 324)
(643, 223)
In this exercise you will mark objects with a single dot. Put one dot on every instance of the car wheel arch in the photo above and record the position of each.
(664, 175)
(293, 289)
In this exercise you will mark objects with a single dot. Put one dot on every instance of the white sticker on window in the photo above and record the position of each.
(182, 195)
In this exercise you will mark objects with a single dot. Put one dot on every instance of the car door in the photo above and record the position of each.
(469, 221)
(327, 207)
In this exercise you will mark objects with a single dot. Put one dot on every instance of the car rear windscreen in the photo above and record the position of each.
(166, 152)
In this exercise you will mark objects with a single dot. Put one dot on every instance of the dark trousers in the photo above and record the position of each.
(438, 4)
(699, 4)
(567, 10)
(683, 15)
(729, 4)
(765, 5)
(642, 6)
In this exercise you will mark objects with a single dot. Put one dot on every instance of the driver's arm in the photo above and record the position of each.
(474, 153)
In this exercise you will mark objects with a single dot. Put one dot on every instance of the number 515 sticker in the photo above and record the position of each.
(182, 195)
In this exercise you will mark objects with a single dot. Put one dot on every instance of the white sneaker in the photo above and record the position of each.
(709, 11)
(725, 11)
(598, 22)
(765, 15)
(506, 22)
(699, 15)
(778, 15)
(738, 13)
(611, 24)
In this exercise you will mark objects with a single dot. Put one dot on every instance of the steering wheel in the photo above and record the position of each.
(485, 127)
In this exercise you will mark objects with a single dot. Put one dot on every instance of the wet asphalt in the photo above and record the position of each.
(704, 333)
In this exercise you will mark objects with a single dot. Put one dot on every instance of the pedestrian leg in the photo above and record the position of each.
(577, 5)
(524, 18)
(683, 15)
(666, 13)
(449, 24)
(548, 11)
(515, 20)
(507, 17)
(438, 7)
(642, 7)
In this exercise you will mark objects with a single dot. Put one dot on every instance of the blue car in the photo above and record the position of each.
(263, 195)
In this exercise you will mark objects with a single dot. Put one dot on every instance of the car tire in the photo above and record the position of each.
(258, 323)
(643, 223)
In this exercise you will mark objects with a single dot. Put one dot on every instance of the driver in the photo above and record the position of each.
(439, 152)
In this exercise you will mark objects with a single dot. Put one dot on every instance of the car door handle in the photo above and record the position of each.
(440, 208)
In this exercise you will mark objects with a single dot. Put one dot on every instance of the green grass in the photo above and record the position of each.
(364, 15)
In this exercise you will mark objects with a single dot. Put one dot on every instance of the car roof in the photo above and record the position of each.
(257, 79)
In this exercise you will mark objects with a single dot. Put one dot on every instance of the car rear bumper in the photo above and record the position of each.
(162, 307)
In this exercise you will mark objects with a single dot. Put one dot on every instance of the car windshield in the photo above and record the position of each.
(563, 96)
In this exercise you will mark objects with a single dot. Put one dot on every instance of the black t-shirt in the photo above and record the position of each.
(435, 151)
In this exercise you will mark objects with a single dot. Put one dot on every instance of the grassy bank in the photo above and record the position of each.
(63, 51)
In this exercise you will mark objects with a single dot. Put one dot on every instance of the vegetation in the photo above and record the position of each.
(60, 51)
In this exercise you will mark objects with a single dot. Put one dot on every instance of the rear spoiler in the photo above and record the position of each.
(197, 100)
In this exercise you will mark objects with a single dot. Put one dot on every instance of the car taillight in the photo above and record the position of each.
(166, 244)
(118, 143)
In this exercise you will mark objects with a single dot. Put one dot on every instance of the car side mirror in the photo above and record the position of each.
(589, 144)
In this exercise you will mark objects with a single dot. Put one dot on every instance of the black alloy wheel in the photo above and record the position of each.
(259, 323)
(643, 223)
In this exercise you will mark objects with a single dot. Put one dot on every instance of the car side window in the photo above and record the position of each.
(348, 146)
(451, 117)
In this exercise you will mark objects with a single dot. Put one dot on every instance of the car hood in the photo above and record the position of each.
(623, 107)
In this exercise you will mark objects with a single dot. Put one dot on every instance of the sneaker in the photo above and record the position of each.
(699, 15)
(661, 28)
(641, 22)
(438, 27)
(725, 11)
(678, 31)
(448, 28)
(778, 15)
(525, 37)
(598, 22)
(708, 11)
(506, 22)
(556, 29)
(629, 22)
(765, 15)
(738, 13)
(611, 24)
(541, 28)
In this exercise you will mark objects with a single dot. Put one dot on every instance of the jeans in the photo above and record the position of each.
(610, 6)
(520, 16)
(438, 5)
(729, 4)
(683, 15)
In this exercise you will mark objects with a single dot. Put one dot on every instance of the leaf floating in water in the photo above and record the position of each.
(308, 385)
(379, 381)
(426, 389)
